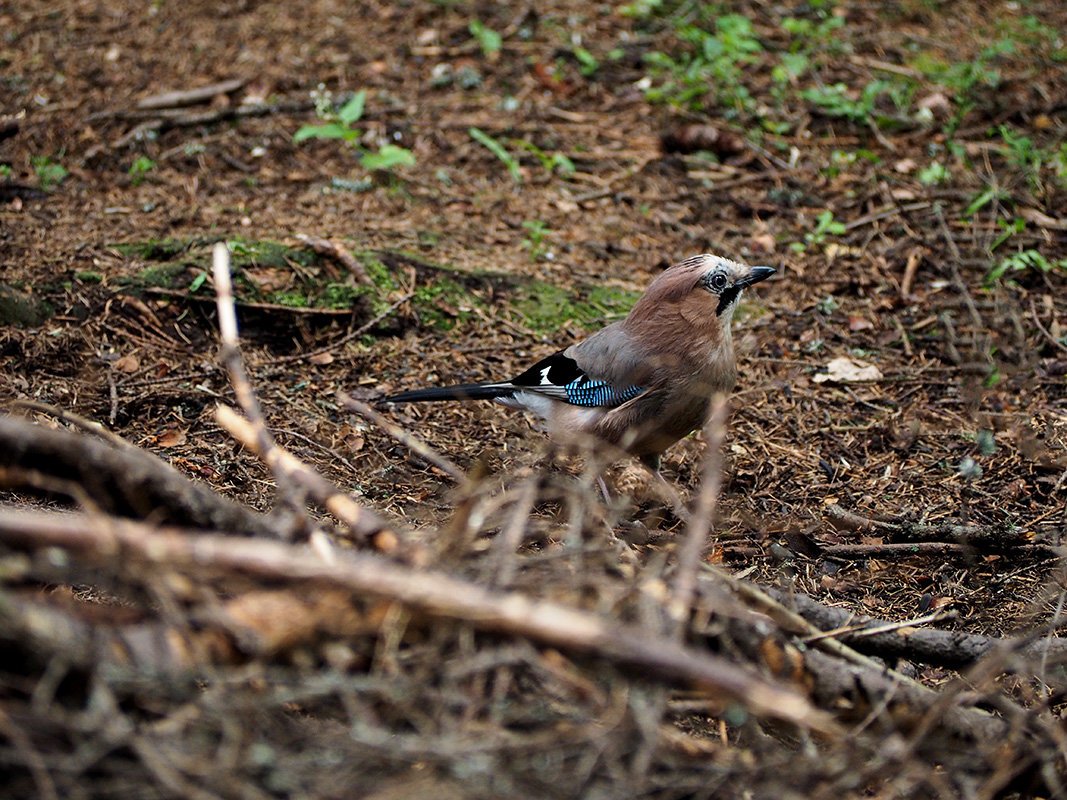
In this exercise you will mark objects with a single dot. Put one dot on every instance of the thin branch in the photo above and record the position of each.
(431, 593)
(361, 521)
(190, 97)
(230, 356)
(89, 425)
(407, 439)
(1045, 331)
(362, 329)
(339, 253)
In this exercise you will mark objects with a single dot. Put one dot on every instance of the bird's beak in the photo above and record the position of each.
(757, 274)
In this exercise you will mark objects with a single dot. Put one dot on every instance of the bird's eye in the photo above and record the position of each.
(718, 281)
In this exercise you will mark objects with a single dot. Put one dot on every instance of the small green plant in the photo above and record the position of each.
(716, 61)
(933, 174)
(1008, 229)
(554, 163)
(387, 157)
(5, 171)
(339, 125)
(49, 173)
(488, 39)
(791, 67)
(982, 199)
(535, 239)
(837, 99)
(965, 79)
(588, 63)
(1022, 154)
(825, 225)
(1058, 163)
(1023, 261)
(140, 168)
(827, 306)
(498, 150)
(641, 9)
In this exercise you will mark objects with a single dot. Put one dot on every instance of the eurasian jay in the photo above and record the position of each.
(642, 383)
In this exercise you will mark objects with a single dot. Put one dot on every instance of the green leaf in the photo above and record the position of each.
(981, 201)
(198, 281)
(562, 164)
(497, 150)
(587, 60)
(489, 39)
(387, 157)
(353, 109)
(331, 130)
(935, 173)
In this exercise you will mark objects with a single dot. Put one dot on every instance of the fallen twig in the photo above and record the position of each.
(430, 593)
(362, 329)
(928, 537)
(407, 439)
(700, 524)
(882, 638)
(361, 521)
(339, 253)
(190, 97)
(126, 481)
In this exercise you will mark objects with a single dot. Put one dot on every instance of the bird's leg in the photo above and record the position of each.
(603, 489)
(673, 498)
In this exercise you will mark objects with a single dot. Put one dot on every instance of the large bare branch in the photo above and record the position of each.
(127, 482)
(429, 593)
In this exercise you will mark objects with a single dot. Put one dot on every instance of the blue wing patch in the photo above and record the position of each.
(586, 392)
(560, 376)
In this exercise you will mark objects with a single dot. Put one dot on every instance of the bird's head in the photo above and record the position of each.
(689, 283)
(726, 280)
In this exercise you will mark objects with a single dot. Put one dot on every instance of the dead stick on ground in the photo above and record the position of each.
(954, 263)
(190, 97)
(409, 440)
(862, 630)
(431, 593)
(230, 356)
(879, 637)
(339, 253)
(510, 539)
(361, 521)
(1044, 331)
(92, 426)
(124, 481)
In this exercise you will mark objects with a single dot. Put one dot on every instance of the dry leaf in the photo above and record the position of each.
(269, 279)
(763, 242)
(321, 358)
(128, 363)
(858, 323)
(1042, 220)
(847, 370)
(171, 438)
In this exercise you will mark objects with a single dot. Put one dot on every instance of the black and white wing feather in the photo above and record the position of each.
(560, 377)
(557, 376)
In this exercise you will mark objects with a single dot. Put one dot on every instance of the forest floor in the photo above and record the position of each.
(509, 177)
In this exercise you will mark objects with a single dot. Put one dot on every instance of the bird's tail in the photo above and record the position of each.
(464, 391)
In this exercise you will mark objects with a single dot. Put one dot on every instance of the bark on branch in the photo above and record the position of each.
(126, 482)
(428, 593)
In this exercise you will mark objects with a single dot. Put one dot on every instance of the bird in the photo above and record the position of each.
(641, 383)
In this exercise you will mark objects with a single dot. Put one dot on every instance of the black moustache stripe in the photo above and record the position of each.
(726, 297)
